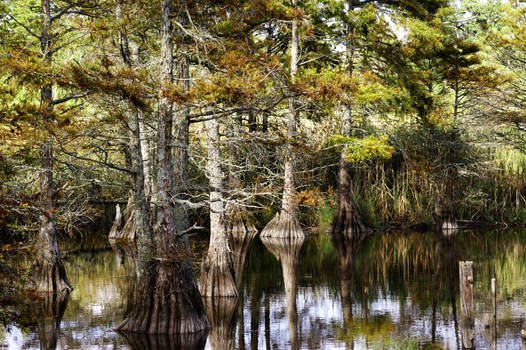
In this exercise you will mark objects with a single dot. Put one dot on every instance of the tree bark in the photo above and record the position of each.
(49, 271)
(167, 301)
(147, 158)
(448, 222)
(123, 228)
(181, 134)
(240, 230)
(347, 228)
(217, 270)
(140, 205)
(285, 224)
(137, 215)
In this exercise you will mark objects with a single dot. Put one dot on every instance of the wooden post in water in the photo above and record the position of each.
(494, 295)
(467, 320)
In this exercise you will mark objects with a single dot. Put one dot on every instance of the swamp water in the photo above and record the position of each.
(403, 292)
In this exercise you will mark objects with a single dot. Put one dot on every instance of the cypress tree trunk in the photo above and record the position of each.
(141, 213)
(181, 153)
(147, 159)
(347, 228)
(123, 227)
(49, 271)
(285, 224)
(168, 301)
(137, 213)
(240, 230)
(217, 270)
(449, 224)
(181, 134)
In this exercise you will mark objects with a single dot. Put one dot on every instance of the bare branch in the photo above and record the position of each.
(66, 9)
(24, 26)
(65, 99)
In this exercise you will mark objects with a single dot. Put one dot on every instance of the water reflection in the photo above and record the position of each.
(287, 252)
(401, 285)
(125, 254)
(221, 314)
(192, 341)
(51, 311)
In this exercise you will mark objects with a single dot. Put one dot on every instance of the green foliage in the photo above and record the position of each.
(325, 214)
(360, 150)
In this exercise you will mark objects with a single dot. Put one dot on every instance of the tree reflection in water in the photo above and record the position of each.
(221, 314)
(51, 310)
(401, 285)
(188, 341)
(287, 252)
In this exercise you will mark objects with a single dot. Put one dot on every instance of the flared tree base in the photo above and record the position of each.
(217, 274)
(123, 228)
(239, 227)
(50, 277)
(283, 226)
(347, 231)
(167, 302)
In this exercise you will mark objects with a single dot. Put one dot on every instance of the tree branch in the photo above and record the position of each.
(64, 10)
(65, 99)
(105, 163)
(24, 26)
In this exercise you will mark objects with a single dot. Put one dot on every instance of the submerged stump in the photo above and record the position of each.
(467, 320)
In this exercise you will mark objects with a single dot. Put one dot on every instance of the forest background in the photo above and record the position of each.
(436, 98)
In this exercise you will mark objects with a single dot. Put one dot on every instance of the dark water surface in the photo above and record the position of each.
(402, 291)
